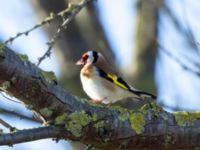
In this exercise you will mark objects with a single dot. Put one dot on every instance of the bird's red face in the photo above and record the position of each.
(83, 59)
(89, 57)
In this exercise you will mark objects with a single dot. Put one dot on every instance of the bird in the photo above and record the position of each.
(102, 83)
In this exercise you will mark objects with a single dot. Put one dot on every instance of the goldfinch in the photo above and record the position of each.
(101, 82)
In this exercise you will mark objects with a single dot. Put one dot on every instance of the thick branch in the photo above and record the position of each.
(100, 126)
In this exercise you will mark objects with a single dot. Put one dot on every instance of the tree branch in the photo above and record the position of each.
(29, 135)
(20, 116)
(97, 125)
(7, 125)
(77, 8)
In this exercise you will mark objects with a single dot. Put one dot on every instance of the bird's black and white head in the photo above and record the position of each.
(90, 57)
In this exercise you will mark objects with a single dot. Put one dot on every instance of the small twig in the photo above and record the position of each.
(13, 113)
(189, 32)
(74, 11)
(177, 24)
(184, 66)
(9, 98)
(189, 35)
(49, 19)
(190, 38)
(7, 125)
(192, 61)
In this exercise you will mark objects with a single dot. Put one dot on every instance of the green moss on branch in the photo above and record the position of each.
(184, 119)
(49, 76)
(2, 47)
(23, 57)
(137, 121)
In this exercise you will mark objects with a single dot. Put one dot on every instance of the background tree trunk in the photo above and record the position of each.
(146, 44)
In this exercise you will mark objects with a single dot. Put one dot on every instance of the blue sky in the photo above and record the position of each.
(22, 19)
(119, 25)
(175, 85)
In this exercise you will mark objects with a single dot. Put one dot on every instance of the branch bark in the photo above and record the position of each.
(76, 119)
(29, 135)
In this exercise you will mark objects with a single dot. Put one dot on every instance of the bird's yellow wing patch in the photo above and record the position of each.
(116, 81)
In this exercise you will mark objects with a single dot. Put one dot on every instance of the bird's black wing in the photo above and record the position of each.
(122, 84)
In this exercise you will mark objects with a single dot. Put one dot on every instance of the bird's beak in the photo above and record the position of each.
(80, 62)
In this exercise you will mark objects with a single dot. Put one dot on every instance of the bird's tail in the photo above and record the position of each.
(142, 94)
